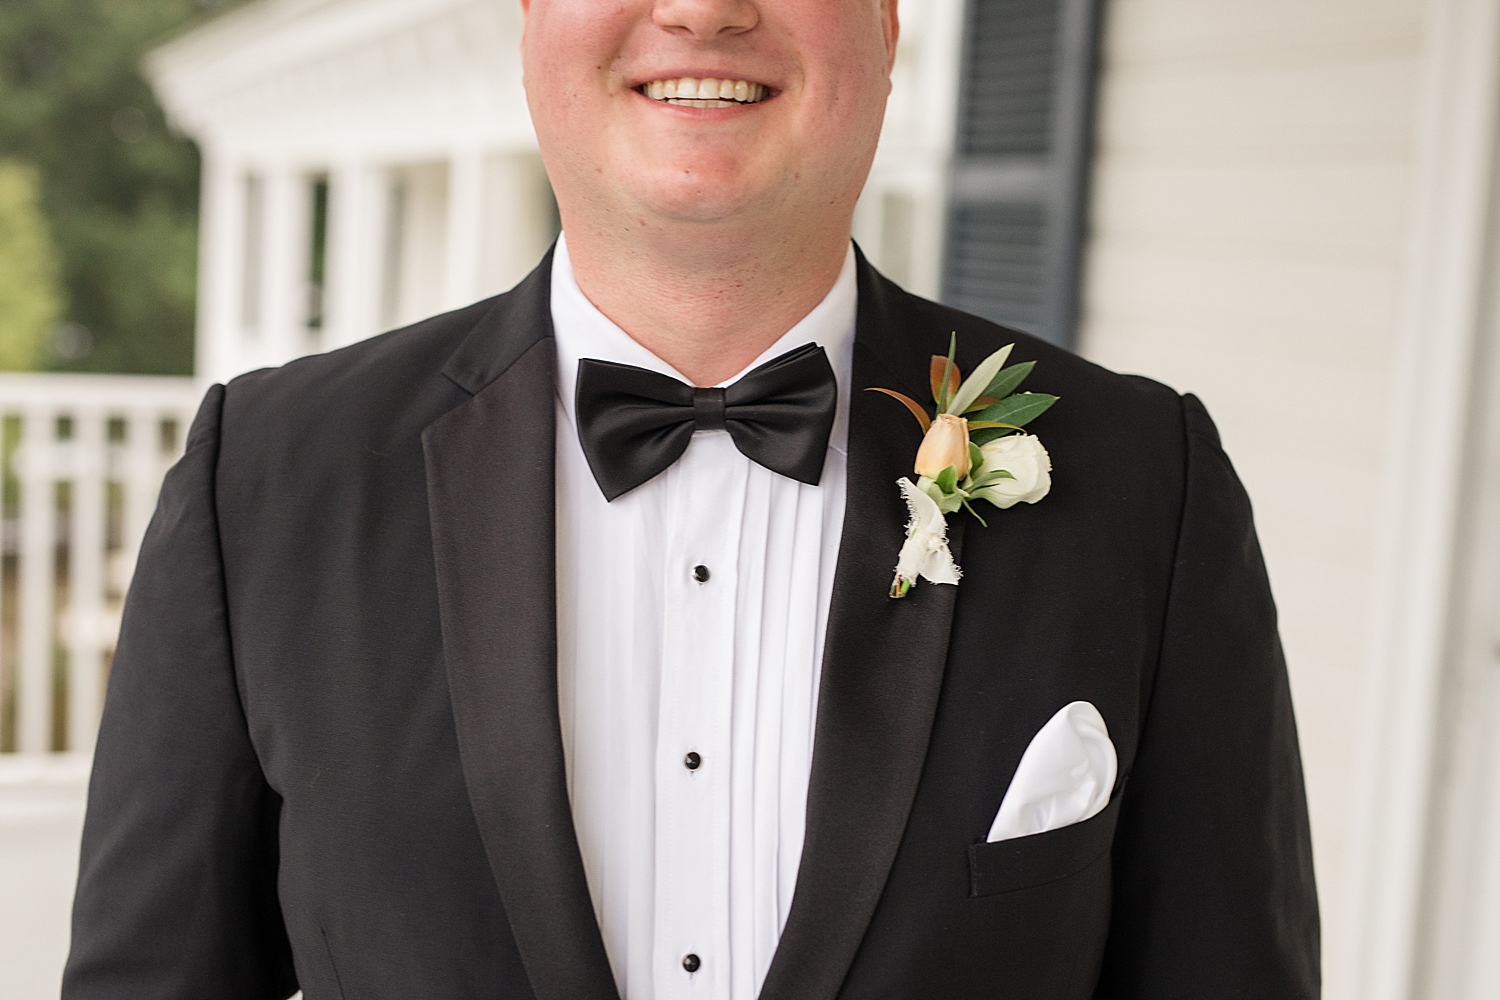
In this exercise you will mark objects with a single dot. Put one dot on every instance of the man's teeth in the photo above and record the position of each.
(706, 93)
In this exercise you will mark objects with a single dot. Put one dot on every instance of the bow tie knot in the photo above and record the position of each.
(708, 408)
(634, 423)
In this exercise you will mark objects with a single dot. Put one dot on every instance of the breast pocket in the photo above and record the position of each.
(1026, 862)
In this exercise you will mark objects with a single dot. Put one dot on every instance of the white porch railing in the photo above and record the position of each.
(84, 456)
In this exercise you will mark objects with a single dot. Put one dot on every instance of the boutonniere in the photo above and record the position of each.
(974, 448)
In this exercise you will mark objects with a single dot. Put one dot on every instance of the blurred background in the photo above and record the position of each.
(1284, 206)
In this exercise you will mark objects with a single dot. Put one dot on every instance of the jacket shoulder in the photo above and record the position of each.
(373, 376)
(330, 421)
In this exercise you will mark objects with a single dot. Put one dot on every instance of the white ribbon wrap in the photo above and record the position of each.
(925, 553)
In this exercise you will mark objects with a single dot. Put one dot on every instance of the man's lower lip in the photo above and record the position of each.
(694, 104)
(676, 103)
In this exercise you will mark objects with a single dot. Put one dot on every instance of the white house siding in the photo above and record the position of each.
(1248, 238)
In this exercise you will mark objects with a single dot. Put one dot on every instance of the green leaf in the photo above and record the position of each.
(993, 476)
(947, 480)
(974, 386)
(985, 435)
(971, 510)
(947, 500)
(988, 479)
(1009, 379)
(1019, 410)
(976, 458)
(942, 402)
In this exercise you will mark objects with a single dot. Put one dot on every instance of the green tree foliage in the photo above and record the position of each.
(30, 299)
(120, 192)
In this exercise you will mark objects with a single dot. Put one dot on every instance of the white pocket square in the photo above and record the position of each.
(1065, 775)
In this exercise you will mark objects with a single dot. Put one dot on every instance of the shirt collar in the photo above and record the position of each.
(582, 331)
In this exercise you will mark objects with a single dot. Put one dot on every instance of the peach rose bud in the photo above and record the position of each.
(946, 443)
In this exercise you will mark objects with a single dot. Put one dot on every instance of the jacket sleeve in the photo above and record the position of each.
(177, 882)
(1213, 876)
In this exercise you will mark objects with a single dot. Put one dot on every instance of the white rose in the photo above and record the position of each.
(1023, 456)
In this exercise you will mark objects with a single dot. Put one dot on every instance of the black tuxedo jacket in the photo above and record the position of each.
(330, 755)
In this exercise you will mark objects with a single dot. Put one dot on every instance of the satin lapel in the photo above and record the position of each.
(882, 670)
(490, 496)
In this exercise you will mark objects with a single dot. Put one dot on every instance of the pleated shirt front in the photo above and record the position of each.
(691, 617)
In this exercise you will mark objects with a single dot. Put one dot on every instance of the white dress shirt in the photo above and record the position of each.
(654, 665)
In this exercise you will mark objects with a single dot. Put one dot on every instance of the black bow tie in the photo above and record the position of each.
(633, 423)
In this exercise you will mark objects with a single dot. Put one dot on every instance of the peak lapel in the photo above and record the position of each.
(882, 671)
(490, 488)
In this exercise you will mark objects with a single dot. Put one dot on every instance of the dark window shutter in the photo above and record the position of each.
(1015, 218)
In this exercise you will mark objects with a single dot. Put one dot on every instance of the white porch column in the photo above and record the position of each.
(354, 248)
(464, 229)
(282, 336)
(519, 221)
(221, 265)
(1446, 309)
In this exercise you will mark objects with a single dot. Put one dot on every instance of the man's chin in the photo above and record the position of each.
(704, 213)
(707, 200)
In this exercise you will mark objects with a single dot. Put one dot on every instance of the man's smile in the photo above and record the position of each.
(706, 92)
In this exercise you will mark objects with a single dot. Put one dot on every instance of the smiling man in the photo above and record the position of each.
(549, 648)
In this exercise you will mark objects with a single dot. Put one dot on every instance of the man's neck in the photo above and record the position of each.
(707, 303)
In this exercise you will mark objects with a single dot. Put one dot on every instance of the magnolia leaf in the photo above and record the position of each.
(1009, 379)
(976, 384)
(935, 376)
(948, 369)
(1017, 410)
(911, 404)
